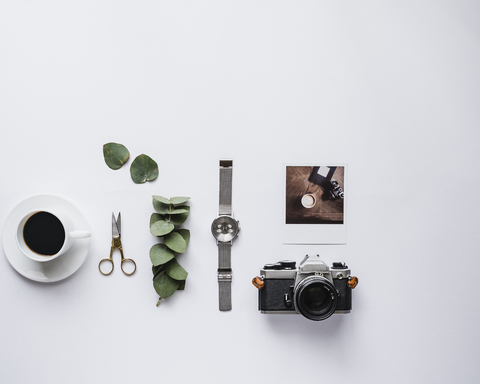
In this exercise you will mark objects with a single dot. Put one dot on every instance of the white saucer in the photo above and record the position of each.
(56, 269)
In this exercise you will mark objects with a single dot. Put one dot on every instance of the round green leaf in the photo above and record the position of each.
(181, 286)
(115, 155)
(180, 218)
(175, 270)
(176, 242)
(179, 200)
(161, 228)
(160, 254)
(155, 217)
(177, 211)
(168, 209)
(185, 233)
(160, 207)
(143, 169)
(161, 199)
(156, 269)
(164, 285)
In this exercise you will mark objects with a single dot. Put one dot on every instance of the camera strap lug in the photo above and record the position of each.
(352, 281)
(258, 282)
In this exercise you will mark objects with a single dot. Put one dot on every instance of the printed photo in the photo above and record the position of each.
(314, 195)
(315, 204)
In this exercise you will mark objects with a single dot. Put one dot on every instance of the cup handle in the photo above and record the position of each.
(79, 234)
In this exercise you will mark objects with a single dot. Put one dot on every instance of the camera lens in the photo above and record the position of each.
(316, 298)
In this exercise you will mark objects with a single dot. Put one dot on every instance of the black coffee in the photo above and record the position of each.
(44, 233)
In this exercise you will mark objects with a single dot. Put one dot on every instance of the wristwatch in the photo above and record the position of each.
(225, 228)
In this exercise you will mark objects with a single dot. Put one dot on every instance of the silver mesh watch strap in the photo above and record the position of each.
(225, 249)
(224, 276)
(226, 168)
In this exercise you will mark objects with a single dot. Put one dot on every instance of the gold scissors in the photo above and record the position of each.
(117, 243)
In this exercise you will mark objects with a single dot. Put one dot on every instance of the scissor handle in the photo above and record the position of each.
(109, 260)
(128, 260)
(100, 268)
(120, 248)
(116, 243)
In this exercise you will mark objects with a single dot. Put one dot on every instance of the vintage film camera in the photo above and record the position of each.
(335, 191)
(313, 290)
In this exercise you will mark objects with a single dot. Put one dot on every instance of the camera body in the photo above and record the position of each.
(313, 290)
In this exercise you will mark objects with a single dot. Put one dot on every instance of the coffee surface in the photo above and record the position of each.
(44, 233)
(308, 201)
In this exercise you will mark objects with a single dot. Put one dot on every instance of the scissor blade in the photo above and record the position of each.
(116, 226)
(119, 224)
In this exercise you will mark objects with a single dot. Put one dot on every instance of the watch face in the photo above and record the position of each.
(224, 228)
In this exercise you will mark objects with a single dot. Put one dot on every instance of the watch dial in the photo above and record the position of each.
(224, 228)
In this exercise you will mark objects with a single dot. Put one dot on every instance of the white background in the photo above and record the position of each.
(389, 88)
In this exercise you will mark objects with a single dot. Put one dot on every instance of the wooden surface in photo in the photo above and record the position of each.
(325, 211)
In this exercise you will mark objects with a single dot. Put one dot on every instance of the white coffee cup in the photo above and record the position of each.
(43, 235)
(308, 200)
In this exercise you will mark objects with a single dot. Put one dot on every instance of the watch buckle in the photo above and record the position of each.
(224, 274)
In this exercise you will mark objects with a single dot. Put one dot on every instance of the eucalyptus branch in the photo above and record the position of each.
(168, 275)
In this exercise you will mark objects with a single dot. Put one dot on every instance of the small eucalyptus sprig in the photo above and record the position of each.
(168, 274)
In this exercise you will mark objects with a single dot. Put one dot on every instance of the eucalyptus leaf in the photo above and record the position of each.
(185, 233)
(181, 286)
(115, 155)
(155, 217)
(175, 270)
(181, 217)
(177, 211)
(166, 209)
(161, 228)
(164, 285)
(176, 242)
(156, 269)
(179, 200)
(143, 169)
(161, 207)
(161, 199)
(160, 254)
